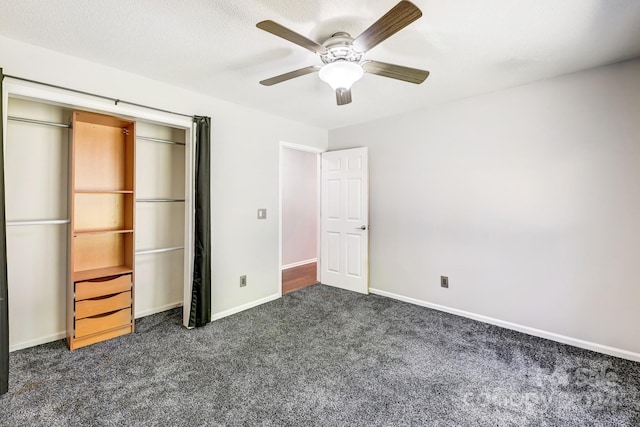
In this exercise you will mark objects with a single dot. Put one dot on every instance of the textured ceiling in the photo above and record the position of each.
(469, 46)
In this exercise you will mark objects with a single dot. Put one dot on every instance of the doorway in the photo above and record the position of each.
(299, 207)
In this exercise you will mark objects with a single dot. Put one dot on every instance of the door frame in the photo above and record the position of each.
(68, 99)
(318, 152)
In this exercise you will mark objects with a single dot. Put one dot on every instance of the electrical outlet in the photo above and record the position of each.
(444, 281)
(243, 281)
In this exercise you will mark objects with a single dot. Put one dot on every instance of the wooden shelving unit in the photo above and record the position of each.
(100, 294)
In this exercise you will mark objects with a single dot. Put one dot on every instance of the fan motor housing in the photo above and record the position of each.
(340, 47)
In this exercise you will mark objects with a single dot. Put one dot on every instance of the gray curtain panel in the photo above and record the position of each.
(4, 301)
(201, 293)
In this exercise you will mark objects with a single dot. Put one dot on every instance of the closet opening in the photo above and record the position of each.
(37, 141)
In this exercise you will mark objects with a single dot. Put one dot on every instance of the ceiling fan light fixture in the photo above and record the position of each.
(341, 74)
(342, 54)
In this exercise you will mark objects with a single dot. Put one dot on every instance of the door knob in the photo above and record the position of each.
(362, 227)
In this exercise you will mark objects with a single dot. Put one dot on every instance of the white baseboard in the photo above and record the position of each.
(243, 307)
(38, 341)
(299, 263)
(612, 351)
(63, 334)
(156, 310)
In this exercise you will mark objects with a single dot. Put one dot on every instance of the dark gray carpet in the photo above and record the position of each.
(325, 357)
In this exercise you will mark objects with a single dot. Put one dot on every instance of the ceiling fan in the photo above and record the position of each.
(342, 54)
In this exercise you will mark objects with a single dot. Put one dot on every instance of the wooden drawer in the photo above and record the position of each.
(103, 287)
(100, 305)
(76, 343)
(102, 322)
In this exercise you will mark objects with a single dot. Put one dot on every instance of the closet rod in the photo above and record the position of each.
(38, 122)
(115, 100)
(40, 222)
(158, 200)
(157, 251)
(164, 141)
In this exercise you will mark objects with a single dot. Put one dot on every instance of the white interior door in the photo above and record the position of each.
(344, 223)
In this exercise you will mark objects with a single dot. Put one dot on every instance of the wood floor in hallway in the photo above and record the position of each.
(296, 278)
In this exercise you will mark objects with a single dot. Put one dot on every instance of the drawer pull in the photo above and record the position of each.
(99, 316)
(106, 279)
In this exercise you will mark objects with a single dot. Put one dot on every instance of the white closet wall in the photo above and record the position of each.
(36, 176)
(36, 181)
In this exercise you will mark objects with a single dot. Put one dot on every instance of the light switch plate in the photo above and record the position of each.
(262, 214)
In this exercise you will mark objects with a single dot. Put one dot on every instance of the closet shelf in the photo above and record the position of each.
(99, 231)
(160, 200)
(84, 275)
(84, 191)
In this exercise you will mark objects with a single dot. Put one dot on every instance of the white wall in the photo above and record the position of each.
(245, 164)
(527, 198)
(299, 206)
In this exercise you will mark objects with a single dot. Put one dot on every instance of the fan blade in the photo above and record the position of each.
(402, 14)
(411, 75)
(290, 75)
(343, 96)
(287, 34)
